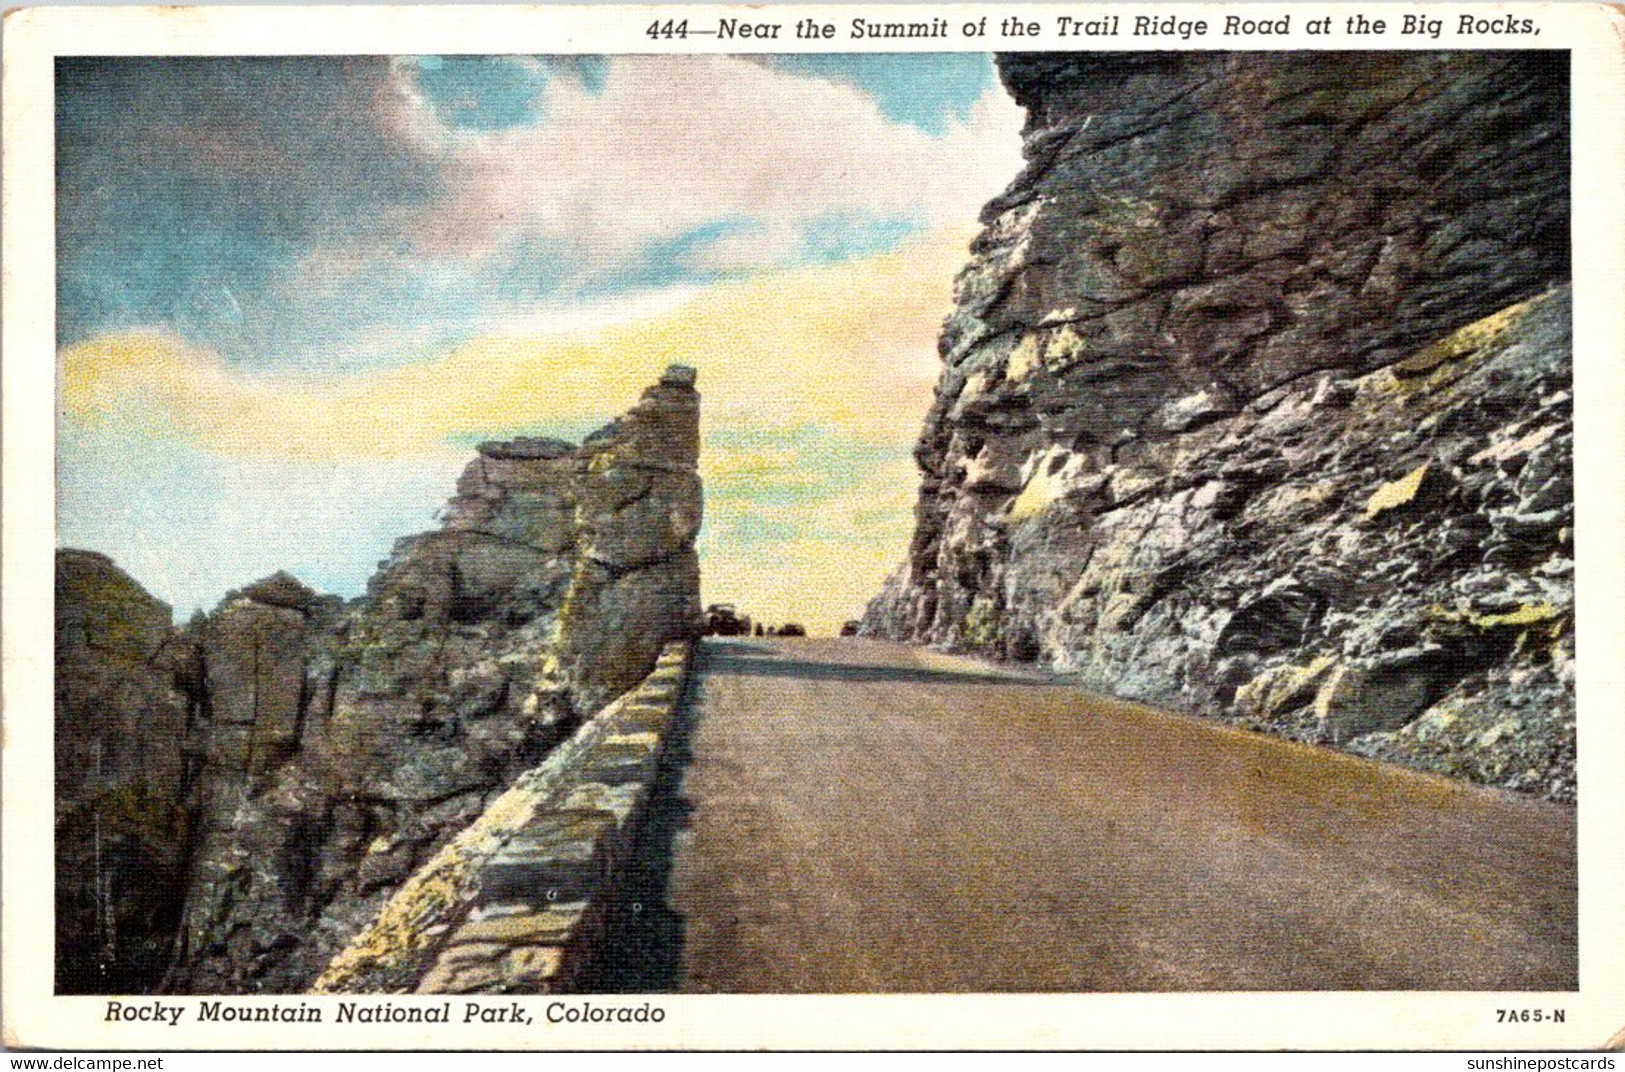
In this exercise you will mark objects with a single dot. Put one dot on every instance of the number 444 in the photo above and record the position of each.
(668, 30)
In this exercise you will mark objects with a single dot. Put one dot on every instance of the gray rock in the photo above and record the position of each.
(526, 448)
(1311, 385)
(1381, 694)
(679, 376)
(126, 763)
(305, 756)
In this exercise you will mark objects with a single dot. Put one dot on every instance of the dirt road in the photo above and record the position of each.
(849, 815)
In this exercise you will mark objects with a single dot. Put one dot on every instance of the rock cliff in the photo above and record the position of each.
(297, 758)
(125, 760)
(1255, 402)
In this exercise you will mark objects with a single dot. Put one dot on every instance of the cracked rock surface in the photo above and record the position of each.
(313, 754)
(1256, 403)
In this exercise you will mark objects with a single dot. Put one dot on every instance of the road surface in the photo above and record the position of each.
(854, 816)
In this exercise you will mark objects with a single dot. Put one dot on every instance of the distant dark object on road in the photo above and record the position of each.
(850, 628)
(724, 619)
(721, 619)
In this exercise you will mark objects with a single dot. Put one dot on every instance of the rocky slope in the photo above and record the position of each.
(272, 772)
(1255, 402)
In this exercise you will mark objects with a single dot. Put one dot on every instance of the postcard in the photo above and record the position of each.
(1054, 526)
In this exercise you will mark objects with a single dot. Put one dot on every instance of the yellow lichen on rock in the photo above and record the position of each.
(1042, 489)
(1474, 336)
(641, 740)
(402, 927)
(1064, 346)
(1282, 688)
(1293, 502)
(1023, 359)
(1396, 493)
(1525, 615)
(1511, 448)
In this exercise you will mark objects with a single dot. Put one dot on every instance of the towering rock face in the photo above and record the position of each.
(124, 762)
(1256, 402)
(337, 747)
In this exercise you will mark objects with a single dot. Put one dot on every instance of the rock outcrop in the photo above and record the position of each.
(338, 747)
(125, 760)
(1256, 402)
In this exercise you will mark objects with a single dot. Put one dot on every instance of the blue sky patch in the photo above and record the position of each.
(483, 93)
(837, 237)
(929, 90)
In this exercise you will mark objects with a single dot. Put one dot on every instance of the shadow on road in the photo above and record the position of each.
(644, 936)
(743, 649)
(731, 663)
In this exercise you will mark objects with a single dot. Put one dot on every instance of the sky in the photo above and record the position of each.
(293, 293)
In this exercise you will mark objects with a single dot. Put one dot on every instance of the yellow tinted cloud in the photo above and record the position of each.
(814, 382)
(848, 346)
(808, 538)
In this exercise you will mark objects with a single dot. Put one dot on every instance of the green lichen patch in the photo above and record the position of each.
(981, 630)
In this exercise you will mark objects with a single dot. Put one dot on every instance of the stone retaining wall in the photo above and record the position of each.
(517, 901)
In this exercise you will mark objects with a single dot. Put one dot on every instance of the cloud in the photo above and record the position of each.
(670, 143)
(191, 525)
(188, 187)
(200, 475)
(294, 292)
(803, 524)
(282, 209)
(850, 345)
(931, 90)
